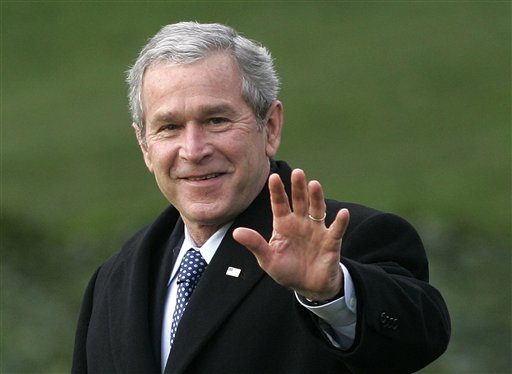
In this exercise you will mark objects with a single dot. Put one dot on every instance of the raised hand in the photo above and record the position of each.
(302, 254)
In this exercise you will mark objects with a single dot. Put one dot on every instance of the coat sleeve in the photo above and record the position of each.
(403, 322)
(79, 364)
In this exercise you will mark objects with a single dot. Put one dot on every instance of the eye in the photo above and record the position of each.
(218, 120)
(169, 127)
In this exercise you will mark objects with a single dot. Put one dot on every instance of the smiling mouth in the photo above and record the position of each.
(204, 177)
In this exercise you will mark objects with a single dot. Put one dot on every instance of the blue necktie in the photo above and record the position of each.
(191, 269)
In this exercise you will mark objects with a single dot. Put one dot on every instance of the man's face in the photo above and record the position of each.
(203, 145)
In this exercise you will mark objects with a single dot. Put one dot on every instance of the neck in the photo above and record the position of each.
(200, 234)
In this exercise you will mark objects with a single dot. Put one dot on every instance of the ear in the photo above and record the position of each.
(273, 128)
(143, 147)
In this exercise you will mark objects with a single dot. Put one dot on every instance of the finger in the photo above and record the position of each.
(300, 199)
(253, 241)
(278, 197)
(316, 200)
(339, 226)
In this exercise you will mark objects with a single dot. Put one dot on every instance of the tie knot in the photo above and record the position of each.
(191, 268)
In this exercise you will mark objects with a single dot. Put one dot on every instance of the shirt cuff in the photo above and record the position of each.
(339, 314)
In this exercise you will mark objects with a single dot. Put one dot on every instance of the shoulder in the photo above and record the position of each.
(358, 212)
(369, 219)
(373, 236)
(139, 245)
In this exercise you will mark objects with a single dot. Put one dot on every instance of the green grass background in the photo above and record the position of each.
(409, 101)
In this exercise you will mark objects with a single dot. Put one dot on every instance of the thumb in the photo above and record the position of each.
(253, 241)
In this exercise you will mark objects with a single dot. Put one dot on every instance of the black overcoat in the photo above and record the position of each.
(250, 324)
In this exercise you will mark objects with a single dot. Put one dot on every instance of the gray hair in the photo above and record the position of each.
(187, 42)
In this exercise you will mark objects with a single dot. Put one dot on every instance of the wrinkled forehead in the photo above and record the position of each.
(219, 68)
(215, 67)
(222, 58)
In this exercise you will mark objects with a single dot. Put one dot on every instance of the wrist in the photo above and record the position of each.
(314, 302)
(320, 298)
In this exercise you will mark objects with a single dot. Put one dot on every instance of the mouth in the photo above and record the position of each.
(204, 177)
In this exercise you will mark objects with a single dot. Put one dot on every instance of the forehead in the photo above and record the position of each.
(218, 69)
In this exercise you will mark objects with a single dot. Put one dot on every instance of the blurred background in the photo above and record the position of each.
(410, 101)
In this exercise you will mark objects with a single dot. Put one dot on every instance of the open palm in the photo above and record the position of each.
(302, 254)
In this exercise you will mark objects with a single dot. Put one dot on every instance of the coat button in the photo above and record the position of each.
(388, 321)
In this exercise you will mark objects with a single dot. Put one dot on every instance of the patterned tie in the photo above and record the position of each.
(191, 268)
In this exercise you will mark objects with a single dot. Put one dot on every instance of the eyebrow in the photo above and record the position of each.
(164, 116)
(204, 110)
(222, 109)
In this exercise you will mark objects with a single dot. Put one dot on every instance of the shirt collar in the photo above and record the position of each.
(207, 250)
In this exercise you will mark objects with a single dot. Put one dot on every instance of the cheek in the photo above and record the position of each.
(148, 160)
(160, 158)
(249, 144)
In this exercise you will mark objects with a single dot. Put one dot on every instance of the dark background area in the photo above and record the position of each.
(410, 101)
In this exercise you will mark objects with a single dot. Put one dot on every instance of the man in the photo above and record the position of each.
(292, 284)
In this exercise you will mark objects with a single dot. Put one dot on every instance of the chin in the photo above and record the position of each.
(210, 214)
(211, 218)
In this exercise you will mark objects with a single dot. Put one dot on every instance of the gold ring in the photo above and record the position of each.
(317, 219)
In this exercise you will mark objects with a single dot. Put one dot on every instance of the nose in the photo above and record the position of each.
(195, 147)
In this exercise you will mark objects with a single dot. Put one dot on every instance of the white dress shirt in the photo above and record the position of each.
(338, 318)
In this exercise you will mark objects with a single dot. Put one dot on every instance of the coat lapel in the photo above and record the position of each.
(162, 266)
(137, 292)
